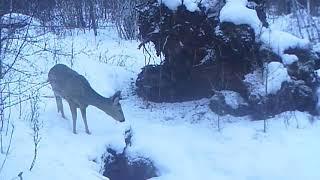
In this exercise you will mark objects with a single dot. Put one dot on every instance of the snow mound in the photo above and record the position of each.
(277, 74)
(270, 81)
(191, 5)
(233, 99)
(280, 41)
(22, 25)
(288, 59)
(318, 72)
(235, 11)
(16, 18)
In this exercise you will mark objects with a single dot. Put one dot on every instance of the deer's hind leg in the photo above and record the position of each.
(73, 109)
(60, 105)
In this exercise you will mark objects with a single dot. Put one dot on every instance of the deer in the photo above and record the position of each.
(76, 90)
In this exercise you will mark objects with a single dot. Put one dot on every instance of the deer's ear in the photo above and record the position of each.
(116, 100)
(117, 94)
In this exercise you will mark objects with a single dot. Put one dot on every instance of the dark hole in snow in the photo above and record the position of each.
(122, 167)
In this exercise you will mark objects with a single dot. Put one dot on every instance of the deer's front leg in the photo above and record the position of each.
(60, 105)
(73, 110)
(84, 117)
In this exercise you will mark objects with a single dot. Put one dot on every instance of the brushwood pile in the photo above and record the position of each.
(210, 51)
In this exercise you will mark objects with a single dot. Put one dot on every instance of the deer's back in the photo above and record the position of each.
(70, 85)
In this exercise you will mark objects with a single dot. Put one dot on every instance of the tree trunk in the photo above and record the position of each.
(80, 21)
(93, 22)
(1, 95)
(308, 7)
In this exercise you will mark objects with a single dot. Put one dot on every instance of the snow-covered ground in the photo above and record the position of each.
(182, 139)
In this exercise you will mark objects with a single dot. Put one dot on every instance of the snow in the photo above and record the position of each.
(191, 5)
(182, 139)
(240, 151)
(290, 23)
(20, 21)
(16, 18)
(277, 74)
(233, 99)
(317, 72)
(235, 11)
(171, 4)
(288, 59)
(316, 47)
(270, 80)
(280, 41)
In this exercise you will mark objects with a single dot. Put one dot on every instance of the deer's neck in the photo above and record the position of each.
(98, 101)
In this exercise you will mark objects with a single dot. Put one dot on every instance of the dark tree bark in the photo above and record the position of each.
(80, 20)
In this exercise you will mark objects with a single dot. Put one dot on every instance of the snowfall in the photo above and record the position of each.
(183, 140)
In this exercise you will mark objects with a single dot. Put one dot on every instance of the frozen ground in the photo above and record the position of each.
(182, 139)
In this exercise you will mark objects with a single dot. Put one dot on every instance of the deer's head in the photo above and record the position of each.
(114, 109)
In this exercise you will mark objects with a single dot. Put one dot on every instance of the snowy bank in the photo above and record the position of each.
(235, 11)
(279, 41)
